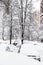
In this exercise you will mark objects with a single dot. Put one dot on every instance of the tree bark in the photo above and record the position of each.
(22, 28)
(3, 33)
(11, 26)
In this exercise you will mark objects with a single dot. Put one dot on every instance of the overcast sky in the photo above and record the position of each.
(36, 4)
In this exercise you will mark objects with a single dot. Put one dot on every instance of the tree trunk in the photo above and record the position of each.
(22, 27)
(3, 33)
(11, 26)
(3, 28)
(10, 34)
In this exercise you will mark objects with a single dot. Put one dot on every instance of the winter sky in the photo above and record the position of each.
(36, 4)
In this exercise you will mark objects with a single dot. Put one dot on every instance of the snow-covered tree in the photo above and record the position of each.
(41, 21)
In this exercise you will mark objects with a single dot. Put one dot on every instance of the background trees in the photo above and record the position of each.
(18, 21)
(41, 21)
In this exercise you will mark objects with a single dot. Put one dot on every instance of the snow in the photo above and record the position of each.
(11, 57)
(31, 48)
(16, 59)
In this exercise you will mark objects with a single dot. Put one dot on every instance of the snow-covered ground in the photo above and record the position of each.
(7, 58)
(29, 53)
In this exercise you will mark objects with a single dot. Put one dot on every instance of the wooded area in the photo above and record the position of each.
(19, 21)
